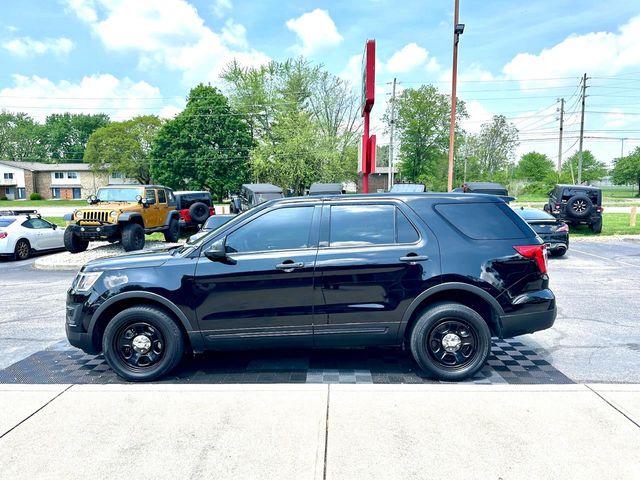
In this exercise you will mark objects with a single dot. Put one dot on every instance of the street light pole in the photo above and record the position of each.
(458, 29)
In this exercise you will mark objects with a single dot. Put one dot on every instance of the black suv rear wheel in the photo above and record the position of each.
(142, 344)
(450, 341)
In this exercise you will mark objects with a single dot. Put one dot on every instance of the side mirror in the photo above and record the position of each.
(217, 252)
(139, 198)
(144, 202)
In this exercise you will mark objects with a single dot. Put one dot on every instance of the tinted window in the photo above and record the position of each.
(162, 198)
(36, 223)
(5, 222)
(481, 221)
(216, 221)
(151, 196)
(282, 229)
(533, 214)
(355, 225)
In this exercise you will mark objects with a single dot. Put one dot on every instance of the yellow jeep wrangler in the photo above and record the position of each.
(125, 213)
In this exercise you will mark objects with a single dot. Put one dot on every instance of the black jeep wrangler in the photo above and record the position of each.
(253, 194)
(576, 205)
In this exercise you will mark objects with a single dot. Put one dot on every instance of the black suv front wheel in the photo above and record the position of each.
(450, 341)
(142, 344)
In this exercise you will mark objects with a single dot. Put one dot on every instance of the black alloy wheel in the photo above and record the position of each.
(450, 341)
(142, 343)
(139, 345)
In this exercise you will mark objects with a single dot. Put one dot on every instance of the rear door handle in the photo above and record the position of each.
(414, 258)
(289, 266)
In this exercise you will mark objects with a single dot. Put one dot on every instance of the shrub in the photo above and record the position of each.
(35, 196)
(3, 198)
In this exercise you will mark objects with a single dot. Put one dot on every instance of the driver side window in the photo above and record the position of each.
(281, 229)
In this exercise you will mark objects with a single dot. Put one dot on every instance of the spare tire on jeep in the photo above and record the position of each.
(579, 206)
(199, 212)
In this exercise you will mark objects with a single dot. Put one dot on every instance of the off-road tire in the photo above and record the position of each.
(199, 212)
(22, 251)
(471, 327)
(165, 339)
(579, 206)
(73, 243)
(596, 227)
(172, 233)
(546, 208)
(132, 237)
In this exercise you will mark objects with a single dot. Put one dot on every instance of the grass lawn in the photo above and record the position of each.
(40, 203)
(612, 224)
(613, 196)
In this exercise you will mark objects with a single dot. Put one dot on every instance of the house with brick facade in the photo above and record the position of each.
(18, 180)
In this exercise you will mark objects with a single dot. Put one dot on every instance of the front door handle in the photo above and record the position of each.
(289, 265)
(412, 257)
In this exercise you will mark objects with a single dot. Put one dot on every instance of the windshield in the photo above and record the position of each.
(263, 197)
(5, 222)
(114, 194)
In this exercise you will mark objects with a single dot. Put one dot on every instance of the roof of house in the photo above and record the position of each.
(47, 167)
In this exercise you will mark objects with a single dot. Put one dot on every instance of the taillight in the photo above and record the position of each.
(4, 234)
(563, 228)
(534, 252)
(599, 209)
(557, 205)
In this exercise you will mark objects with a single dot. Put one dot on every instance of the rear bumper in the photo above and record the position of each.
(95, 232)
(537, 312)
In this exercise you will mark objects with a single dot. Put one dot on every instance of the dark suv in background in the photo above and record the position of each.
(576, 205)
(439, 273)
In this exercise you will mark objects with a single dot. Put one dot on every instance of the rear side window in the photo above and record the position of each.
(481, 221)
(357, 225)
(5, 222)
(162, 198)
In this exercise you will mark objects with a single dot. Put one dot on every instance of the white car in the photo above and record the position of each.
(24, 233)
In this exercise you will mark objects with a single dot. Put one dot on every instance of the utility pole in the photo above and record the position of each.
(458, 29)
(560, 142)
(584, 91)
(393, 121)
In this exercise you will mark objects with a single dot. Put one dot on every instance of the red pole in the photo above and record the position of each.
(365, 155)
(454, 80)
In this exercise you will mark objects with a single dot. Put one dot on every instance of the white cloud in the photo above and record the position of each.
(316, 30)
(616, 118)
(407, 58)
(120, 98)
(222, 7)
(26, 46)
(478, 115)
(596, 53)
(168, 33)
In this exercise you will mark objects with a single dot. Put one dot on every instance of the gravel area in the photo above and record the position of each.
(74, 261)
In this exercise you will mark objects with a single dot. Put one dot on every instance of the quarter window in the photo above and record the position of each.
(358, 225)
(281, 229)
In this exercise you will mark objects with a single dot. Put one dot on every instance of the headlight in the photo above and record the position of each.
(79, 215)
(84, 281)
(113, 213)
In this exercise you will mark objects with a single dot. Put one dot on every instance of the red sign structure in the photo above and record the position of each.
(368, 160)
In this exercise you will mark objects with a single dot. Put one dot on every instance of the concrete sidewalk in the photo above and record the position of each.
(320, 431)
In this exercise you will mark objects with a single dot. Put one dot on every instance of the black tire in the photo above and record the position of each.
(546, 208)
(232, 208)
(73, 243)
(142, 344)
(172, 233)
(132, 237)
(199, 212)
(579, 206)
(558, 252)
(22, 250)
(596, 227)
(431, 331)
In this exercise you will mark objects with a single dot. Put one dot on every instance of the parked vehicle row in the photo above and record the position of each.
(423, 270)
(23, 232)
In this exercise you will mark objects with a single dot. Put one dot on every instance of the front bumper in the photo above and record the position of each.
(536, 311)
(95, 232)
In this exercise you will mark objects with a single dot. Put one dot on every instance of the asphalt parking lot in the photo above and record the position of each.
(595, 338)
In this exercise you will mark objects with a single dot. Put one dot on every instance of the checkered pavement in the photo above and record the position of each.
(510, 362)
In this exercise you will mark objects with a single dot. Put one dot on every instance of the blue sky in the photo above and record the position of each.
(516, 58)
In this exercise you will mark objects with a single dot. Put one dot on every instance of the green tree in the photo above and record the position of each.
(21, 138)
(66, 134)
(592, 169)
(535, 167)
(494, 149)
(627, 169)
(304, 120)
(422, 123)
(124, 147)
(205, 146)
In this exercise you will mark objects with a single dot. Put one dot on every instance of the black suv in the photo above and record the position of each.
(252, 195)
(439, 273)
(576, 205)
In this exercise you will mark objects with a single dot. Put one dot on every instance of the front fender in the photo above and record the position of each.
(128, 216)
